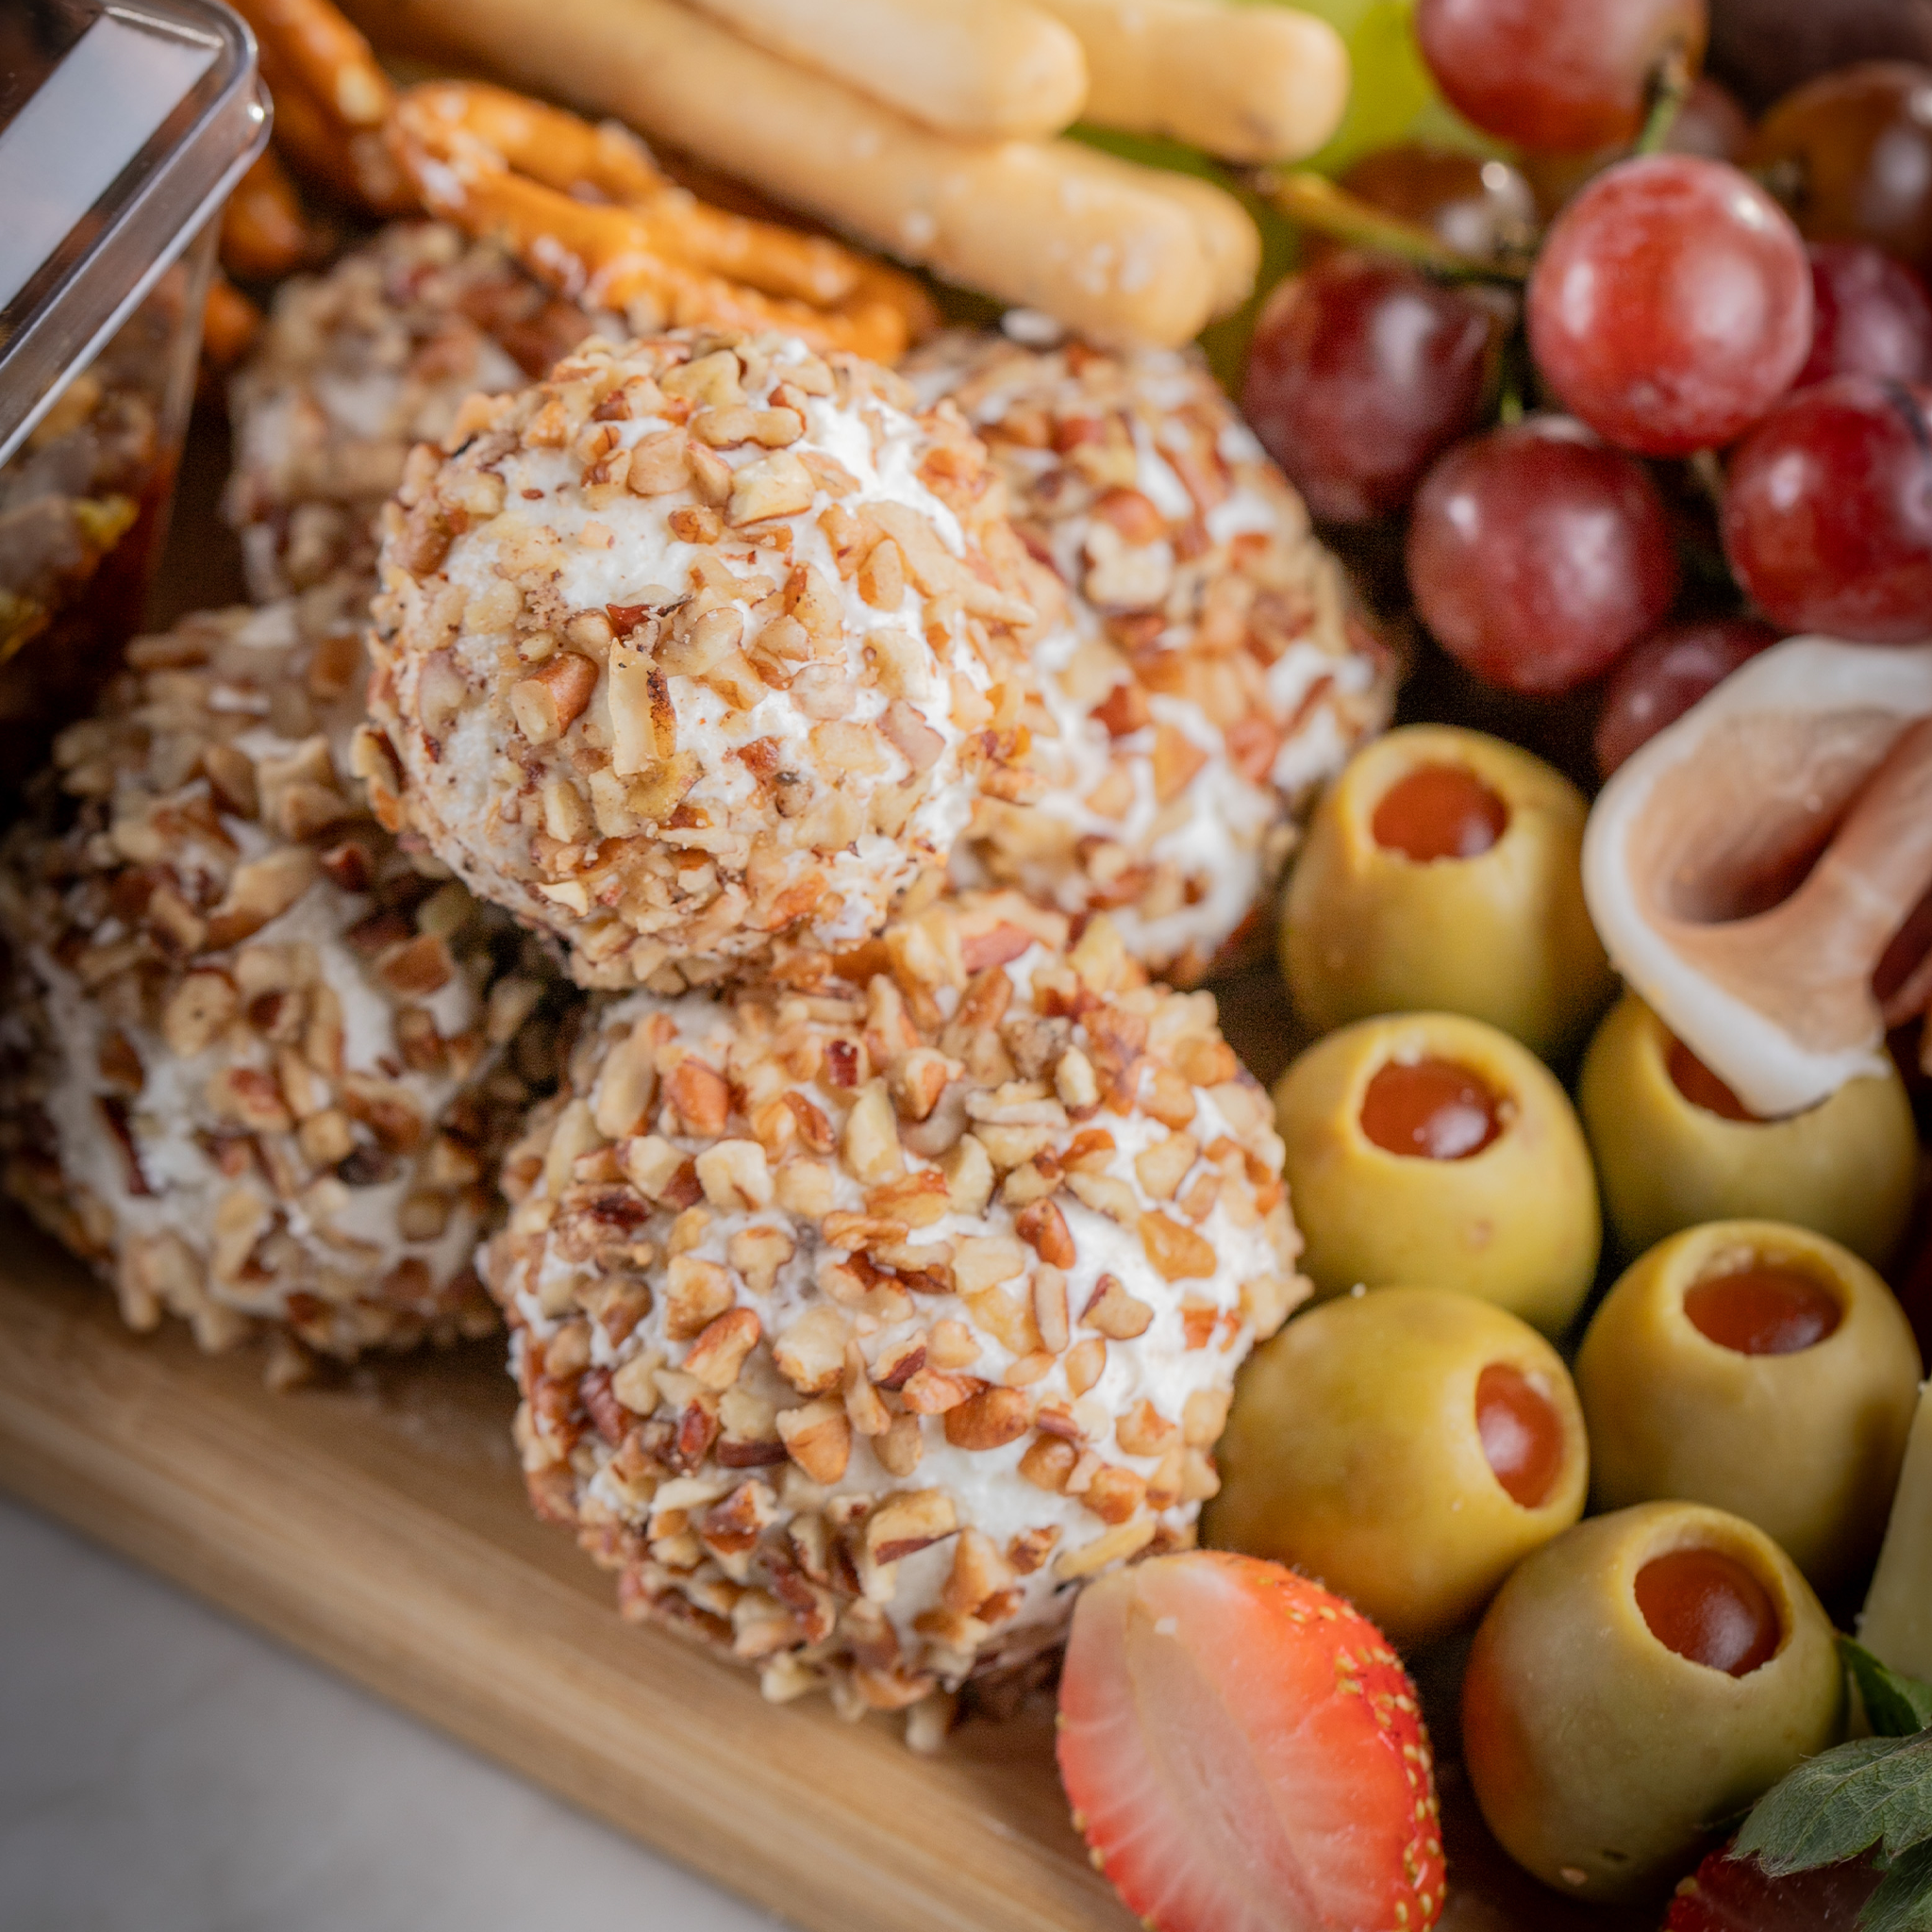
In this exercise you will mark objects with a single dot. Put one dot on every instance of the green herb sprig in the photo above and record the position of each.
(1871, 1798)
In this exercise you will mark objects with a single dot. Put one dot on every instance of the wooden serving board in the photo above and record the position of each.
(377, 1522)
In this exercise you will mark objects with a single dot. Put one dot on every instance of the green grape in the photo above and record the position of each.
(1393, 96)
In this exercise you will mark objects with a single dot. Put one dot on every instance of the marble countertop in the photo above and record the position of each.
(165, 1769)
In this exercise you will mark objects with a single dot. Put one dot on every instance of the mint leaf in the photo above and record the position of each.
(1902, 1902)
(1841, 1803)
(1896, 1705)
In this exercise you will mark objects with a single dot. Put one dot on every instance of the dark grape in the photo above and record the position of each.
(1562, 77)
(1852, 156)
(1478, 206)
(1827, 517)
(1362, 372)
(1665, 676)
(1538, 556)
(1873, 316)
(1672, 305)
(1764, 48)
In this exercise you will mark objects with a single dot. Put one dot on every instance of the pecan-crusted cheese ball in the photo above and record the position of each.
(1216, 671)
(357, 366)
(857, 1321)
(256, 1068)
(697, 651)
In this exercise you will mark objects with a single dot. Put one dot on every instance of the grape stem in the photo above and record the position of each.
(1670, 87)
(1313, 201)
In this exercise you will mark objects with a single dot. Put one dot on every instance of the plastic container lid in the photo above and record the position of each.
(123, 125)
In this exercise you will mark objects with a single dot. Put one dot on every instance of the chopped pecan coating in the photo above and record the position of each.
(962, 1392)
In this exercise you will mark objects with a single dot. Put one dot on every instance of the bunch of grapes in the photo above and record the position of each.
(1691, 413)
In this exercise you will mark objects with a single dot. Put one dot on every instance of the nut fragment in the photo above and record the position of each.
(908, 1522)
(810, 1354)
(990, 1420)
(719, 1353)
(818, 1438)
(1115, 1313)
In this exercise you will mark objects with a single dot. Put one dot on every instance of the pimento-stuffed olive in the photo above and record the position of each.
(1409, 1447)
(1675, 1147)
(1433, 1151)
(1636, 1682)
(1760, 1369)
(1442, 873)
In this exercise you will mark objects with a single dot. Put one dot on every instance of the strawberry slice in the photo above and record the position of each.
(1244, 1754)
(1730, 1895)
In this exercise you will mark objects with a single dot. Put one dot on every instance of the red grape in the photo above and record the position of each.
(1477, 207)
(1560, 75)
(1362, 372)
(1536, 555)
(1873, 316)
(1827, 517)
(1665, 676)
(1672, 305)
(1853, 155)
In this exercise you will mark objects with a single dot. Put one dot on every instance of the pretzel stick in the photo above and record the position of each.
(264, 231)
(1024, 222)
(325, 56)
(545, 143)
(985, 69)
(1247, 83)
(229, 324)
(615, 257)
(565, 153)
(331, 99)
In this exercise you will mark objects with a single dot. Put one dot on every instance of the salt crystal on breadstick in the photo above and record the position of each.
(985, 69)
(1248, 83)
(1033, 224)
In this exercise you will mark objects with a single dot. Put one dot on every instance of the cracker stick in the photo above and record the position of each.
(1247, 83)
(985, 69)
(1028, 223)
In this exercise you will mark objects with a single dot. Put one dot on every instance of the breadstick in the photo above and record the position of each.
(1028, 223)
(985, 69)
(1230, 242)
(1248, 83)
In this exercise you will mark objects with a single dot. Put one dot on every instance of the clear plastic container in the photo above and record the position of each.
(123, 125)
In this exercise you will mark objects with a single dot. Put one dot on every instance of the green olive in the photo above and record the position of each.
(1408, 1448)
(1844, 1168)
(1760, 1369)
(1442, 873)
(1636, 1682)
(1433, 1151)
